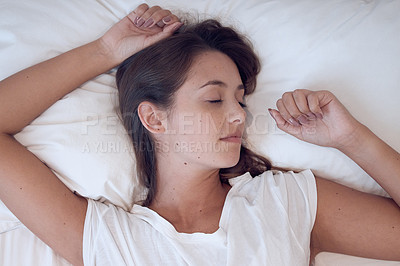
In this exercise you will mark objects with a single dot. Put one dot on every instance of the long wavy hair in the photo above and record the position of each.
(158, 71)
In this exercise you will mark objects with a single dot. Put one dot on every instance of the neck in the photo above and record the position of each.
(187, 196)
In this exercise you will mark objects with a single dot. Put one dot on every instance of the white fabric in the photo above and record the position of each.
(347, 46)
(29, 251)
(266, 220)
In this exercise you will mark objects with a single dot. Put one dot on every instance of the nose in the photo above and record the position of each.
(237, 114)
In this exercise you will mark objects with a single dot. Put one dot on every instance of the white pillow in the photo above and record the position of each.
(347, 47)
(80, 137)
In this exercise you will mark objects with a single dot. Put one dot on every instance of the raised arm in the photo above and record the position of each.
(27, 187)
(348, 221)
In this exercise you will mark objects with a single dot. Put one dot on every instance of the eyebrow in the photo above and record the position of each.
(220, 83)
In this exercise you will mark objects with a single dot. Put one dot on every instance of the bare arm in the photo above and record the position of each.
(355, 223)
(347, 221)
(28, 188)
(362, 224)
(377, 158)
(27, 94)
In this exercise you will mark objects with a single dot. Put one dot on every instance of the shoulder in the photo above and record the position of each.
(110, 234)
(100, 215)
(303, 181)
(276, 180)
(285, 188)
(286, 202)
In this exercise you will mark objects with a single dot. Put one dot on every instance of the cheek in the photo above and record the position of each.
(210, 123)
(185, 123)
(193, 119)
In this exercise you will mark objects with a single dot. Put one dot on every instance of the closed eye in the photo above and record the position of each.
(243, 105)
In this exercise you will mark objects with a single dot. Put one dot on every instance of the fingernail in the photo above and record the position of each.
(167, 19)
(148, 23)
(140, 22)
(311, 116)
(136, 20)
(178, 26)
(294, 122)
(303, 119)
(319, 115)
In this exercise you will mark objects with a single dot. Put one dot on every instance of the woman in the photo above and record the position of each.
(197, 210)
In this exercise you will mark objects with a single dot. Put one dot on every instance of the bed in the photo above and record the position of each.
(350, 47)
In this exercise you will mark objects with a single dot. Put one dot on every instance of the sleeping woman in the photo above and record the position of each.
(210, 201)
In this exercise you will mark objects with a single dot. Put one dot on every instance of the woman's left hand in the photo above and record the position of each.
(316, 117)
(139, 29)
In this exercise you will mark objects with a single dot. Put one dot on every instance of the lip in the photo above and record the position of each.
(234, 137)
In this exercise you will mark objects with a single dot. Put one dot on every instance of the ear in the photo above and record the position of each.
(151, 117)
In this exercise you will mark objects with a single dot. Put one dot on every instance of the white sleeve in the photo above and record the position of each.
(105, 235)
(279, 211)
(298, 196)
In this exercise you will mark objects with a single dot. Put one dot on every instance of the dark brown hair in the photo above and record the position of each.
(157, 72)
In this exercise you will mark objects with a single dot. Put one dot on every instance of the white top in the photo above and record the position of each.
(266, 220)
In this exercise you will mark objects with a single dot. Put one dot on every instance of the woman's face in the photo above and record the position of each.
(206, 123)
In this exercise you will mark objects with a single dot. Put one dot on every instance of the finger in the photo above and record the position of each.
(314, 105)
(282, 124)
(140, 10)
(285, 113)
(290, 105)
(163, 15)
(134, 16)
(160, 24)
(146, 20)
(159, 18)
(170, 19)
(167, 31)
(300, 98)
(166, 20)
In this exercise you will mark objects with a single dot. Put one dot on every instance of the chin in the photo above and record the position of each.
(230, 160)
(226, 155)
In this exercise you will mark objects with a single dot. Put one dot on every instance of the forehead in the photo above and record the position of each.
(214, 65)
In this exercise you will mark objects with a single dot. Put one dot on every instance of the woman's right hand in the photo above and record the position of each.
(139, 29)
